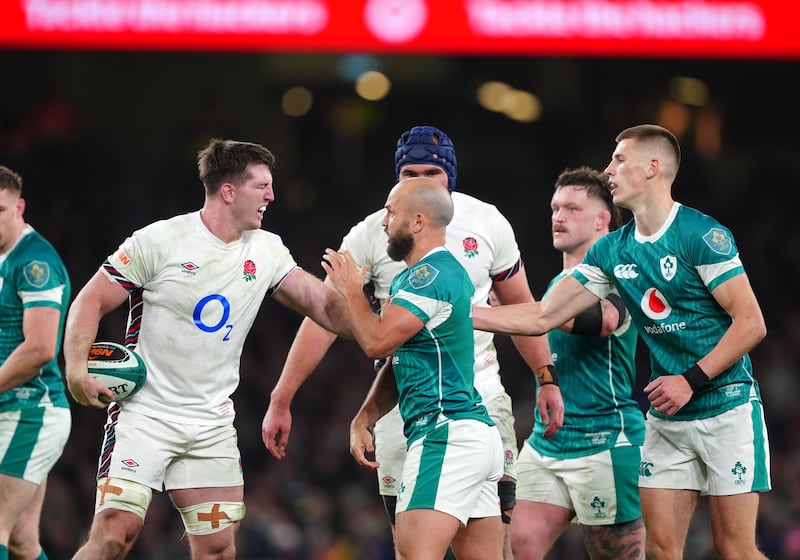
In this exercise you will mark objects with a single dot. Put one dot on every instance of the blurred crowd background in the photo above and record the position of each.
(107, 142)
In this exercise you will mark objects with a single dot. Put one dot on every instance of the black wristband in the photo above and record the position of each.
(590, 322)
(546, 375)
(696, 377)
(616, 301)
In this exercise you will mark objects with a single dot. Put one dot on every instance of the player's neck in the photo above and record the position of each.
(651, 216)
(12, 241)
(219, 224)
(420, 249)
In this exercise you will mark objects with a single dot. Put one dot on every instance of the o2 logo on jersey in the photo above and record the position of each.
(213, 306)
(655, 305)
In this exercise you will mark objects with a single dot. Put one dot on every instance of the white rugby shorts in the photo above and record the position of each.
(390, 443)
(163, 454)
(720, 456)
(454, 469)
(32, 440)
(602, 488)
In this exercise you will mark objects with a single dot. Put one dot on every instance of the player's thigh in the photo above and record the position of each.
(424, 534)
(481, 539)
(390, 452)
(16, 495)
(26, 529)
(535, 527)
(733, 523)
(667, 514)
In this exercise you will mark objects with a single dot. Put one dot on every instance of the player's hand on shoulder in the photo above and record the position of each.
(275, 429)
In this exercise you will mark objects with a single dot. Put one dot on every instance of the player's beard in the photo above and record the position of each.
(400, 244)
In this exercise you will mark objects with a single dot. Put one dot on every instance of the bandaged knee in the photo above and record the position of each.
(211, 517)
(127, 495)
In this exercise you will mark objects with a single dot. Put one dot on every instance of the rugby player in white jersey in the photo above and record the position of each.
(195, 283)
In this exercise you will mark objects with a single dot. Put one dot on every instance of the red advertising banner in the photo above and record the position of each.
(630, 28)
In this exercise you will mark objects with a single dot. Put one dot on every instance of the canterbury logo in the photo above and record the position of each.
(626, 271)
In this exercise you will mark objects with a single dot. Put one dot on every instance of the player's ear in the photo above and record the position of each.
(226, 191)
(603, 220)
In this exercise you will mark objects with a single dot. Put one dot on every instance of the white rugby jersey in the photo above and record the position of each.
(193, 301)
(482, 240)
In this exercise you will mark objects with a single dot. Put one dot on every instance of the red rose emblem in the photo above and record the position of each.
(249, 270)
(470, 247)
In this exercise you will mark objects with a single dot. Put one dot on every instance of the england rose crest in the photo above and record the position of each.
(249, 270)
(470, 246)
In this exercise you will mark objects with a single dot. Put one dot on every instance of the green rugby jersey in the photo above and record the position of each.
(666, 281)
(597, 377)
(32, 275)
(434, 369)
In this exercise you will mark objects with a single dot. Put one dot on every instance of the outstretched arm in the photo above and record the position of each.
(535, 350)
(567, 299)
(99, 296)
(308, 295)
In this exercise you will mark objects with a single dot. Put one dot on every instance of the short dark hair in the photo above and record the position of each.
(227, 160)
(10, 180)
(655, 133)
(595, 183)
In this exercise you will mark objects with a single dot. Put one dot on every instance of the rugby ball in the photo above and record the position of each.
(117, 367)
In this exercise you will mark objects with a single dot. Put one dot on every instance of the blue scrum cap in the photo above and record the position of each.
(426, 144)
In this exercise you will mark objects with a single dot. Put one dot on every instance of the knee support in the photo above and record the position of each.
(127, 495)
(507, 491)
(390, 503)
(211, 517)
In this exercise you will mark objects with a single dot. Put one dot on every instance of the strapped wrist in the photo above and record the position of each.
(696, 377)
(546, 375)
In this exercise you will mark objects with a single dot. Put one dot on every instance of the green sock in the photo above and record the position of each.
(3, 552)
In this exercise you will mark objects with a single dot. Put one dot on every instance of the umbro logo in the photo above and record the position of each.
(626, 271)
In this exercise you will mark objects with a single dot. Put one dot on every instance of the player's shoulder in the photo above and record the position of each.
(368, 224)
(35, 247)
(464, 203)
(688, 218)
(174, 226)
(471, 214)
